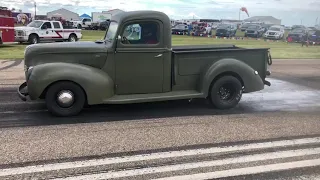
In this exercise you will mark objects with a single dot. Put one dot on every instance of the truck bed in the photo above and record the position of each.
(203, 47)
(190, 61)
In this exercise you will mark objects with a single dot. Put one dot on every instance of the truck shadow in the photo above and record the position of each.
(109, 113)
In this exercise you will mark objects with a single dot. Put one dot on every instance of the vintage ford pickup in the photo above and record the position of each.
(130, 67)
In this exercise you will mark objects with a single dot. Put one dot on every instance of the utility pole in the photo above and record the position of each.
(35, 10)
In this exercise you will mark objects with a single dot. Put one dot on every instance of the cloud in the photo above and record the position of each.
(177, 9)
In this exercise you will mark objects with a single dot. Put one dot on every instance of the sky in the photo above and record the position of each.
(291, 12)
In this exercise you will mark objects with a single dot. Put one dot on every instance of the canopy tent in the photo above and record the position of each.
(85, 16)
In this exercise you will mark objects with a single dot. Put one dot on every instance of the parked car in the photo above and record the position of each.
(298, 27)
(297, 34)
(245, 26)
(180, 29)
(85, 23)
(275, 32)
(254, 31)
(41, 30)
(146, 69)
(226, 30)
(314, 36)
(104, 25)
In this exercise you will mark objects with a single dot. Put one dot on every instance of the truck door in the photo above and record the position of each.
(57, 31)
(46, 31)
(139, 58)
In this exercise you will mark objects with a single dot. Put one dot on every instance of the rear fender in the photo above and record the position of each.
(96, 83)
(228, 66)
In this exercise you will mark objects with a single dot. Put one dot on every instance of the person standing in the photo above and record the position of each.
(189, 29)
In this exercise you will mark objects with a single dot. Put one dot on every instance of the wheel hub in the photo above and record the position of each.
(225, 93)
(65, 98)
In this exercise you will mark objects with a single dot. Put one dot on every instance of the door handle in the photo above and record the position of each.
(159, 55)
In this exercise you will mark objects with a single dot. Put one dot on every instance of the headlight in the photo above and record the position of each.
(29, 72)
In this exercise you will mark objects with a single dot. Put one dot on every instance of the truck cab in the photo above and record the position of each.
(137, 67)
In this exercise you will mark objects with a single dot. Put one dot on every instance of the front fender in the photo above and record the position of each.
(250, 80)
(96, 83)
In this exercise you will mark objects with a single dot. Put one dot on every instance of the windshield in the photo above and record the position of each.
(224, 26)
(35, 24)
(274, 29)
(180, 26)
(245, 25)
(111, 32)
(297, 30)
(253, 27)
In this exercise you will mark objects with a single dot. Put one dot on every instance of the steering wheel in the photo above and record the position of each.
(126, 40)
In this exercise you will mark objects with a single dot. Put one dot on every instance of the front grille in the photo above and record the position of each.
(250, 31)
(18, 33)
(272, 33)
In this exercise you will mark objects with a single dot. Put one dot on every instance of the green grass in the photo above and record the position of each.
(280, 49)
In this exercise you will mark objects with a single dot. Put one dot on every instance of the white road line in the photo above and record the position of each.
(153, 156)
(27, 111)
(248, 170)
(170, 168)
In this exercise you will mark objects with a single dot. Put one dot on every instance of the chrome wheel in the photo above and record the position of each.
(65, 98)
(72, 39)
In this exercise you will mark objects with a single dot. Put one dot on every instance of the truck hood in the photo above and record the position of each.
(88, 53)
(25, 28)
(294, 34)
(273, 31)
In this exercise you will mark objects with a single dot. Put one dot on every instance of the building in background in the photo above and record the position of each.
(65, 14)
(113, 12)
(264, 20)
(41, 17)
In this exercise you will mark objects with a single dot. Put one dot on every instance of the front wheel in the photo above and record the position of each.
(226, 92)
(33, 39)
(65, 99)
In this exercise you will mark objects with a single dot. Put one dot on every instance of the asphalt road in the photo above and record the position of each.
(272, 134)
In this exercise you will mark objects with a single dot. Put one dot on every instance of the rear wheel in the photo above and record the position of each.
(72, 38)
(226, 92)
(65, 99)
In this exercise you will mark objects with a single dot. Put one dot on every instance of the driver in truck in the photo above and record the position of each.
(149, 34)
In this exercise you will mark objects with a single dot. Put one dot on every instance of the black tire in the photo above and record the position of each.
(58, 110)
(229, 83)
(72, 38)
(33, 39)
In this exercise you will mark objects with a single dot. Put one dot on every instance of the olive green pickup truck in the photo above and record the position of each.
(136, 63)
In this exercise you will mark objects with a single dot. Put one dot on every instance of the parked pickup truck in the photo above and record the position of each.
(146, 68)
(41, 30)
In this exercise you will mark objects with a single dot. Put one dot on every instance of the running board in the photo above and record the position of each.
(141, 98)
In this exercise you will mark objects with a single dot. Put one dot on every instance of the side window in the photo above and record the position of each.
(46, 25)
(56, 25)
(141, 33)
